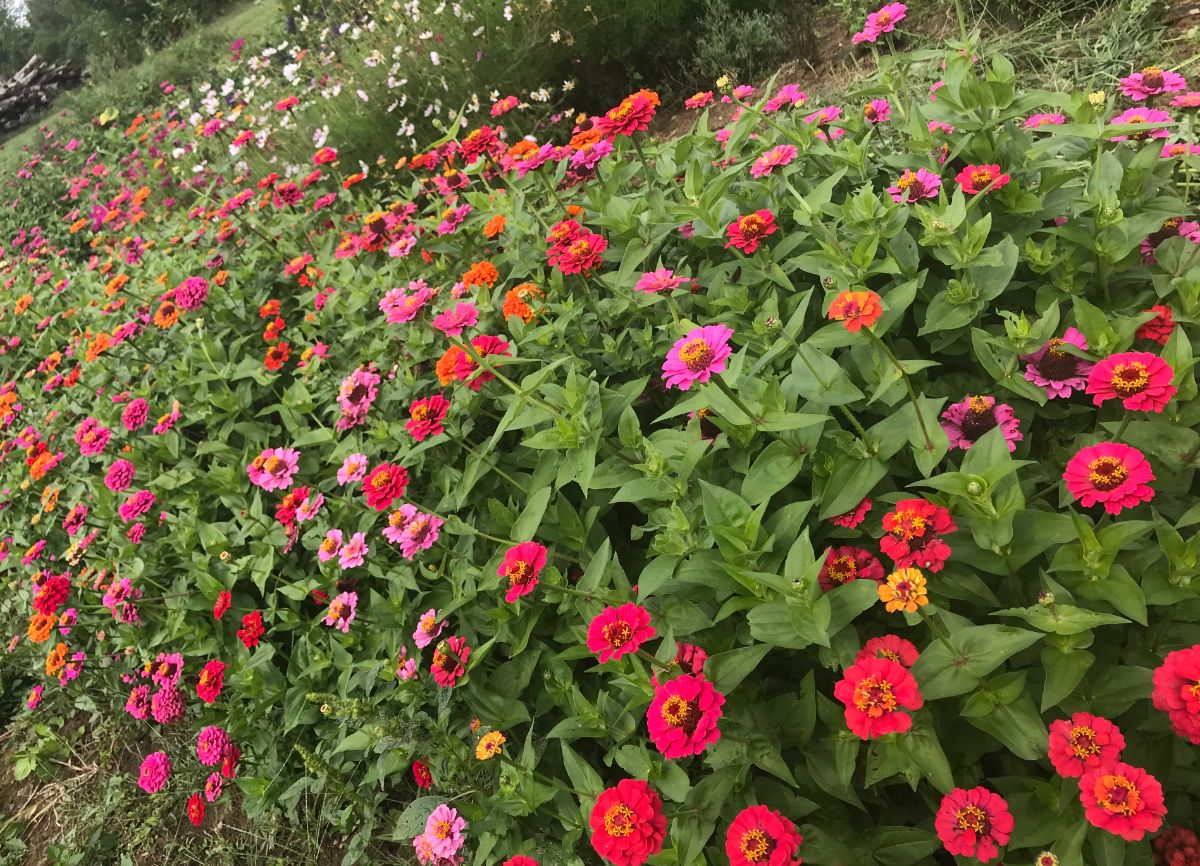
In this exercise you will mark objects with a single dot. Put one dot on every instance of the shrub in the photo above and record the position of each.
(827, 477)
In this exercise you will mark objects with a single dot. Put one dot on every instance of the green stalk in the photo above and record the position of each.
(912, 394)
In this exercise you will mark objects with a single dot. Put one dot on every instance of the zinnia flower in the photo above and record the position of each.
(856, 309)
(914, 534)
(774, 158)
(1037, 120)
(1057, 372)
(443, 832)
(974, 823)
(912, 186)
(617, 631)
(211, 745)
(875, 693)
(1110, 473)
(877, 111)
(490, 745)
(454, 321)
(683, 716)
(384, 483)
(1177, 691)
(846, 563)
(522, 565)
(853, 517)
(421, 775)
(273, 468)
(448, 661)
(965, 422)
(1151, 81)
(904, 590)
(1140, 380)
(628, 824)
(154, 772)
(661, 280)
(697, 356)
(1142, 116)
(353, 468)
(633, 114)
(1083, 742)
(747, 232)
(342, 611)
(760, 836)
(354, 551)
(252, 629)
(890, 647)
(882, 21)
(975, 179)
(1160, 327)
(1123, 800)
(212, 680)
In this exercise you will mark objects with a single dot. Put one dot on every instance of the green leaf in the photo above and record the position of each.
(773, 469)
(414, 817)
(849, 484)
(978, 650)
(583, 777)
(901, 846)
(727, 669)
(530, 518)
(1064, 671)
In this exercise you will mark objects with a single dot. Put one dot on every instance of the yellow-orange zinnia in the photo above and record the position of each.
(904, 590)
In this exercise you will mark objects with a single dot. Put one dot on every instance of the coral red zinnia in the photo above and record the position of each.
(683, 716)
(1140, 380)
(914, 534)
(1177, 691)
(1083, 742)
(383, 484)
(975, 179)
(628, 824)
(618, 631)
(1114, 475)
(974, 823)
(1124, 800)
(846, 563)
(747, 232)
(891, 647)
(522, 565)
(760, 836)
(875, 693)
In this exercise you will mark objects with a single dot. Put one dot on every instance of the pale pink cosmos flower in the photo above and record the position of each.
(774, 158)
(882, 21)
(661, 280)
(354, 551)
(452, 322)
(353, 468)
(429, 628)
(1152, 81)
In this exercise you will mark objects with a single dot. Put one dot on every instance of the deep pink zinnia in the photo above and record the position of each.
(1152, 81)
(426, 416)
(774, 158)
(882, 21)
(974, 823)
(1082, 742)
(385, 482)
(1140, 380)
(617, 631)
(1056, 371)
(696, 357)
(521, 565)
(683, 716)
(912, 186)
(1142, 116)
(967, 420)
(1112, 474)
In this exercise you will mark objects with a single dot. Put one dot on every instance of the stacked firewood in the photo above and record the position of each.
(31, 89)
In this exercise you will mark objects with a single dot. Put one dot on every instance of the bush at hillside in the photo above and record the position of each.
(819, 487)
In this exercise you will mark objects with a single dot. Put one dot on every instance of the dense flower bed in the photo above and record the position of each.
(819, 488)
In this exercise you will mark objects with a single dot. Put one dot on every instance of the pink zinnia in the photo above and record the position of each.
(853, 517)
(191, 293)
(877, 111)
(1140, 380)
(1146, 116)
(618, 631)
(748, 231)
(974, 823)
(1112, 474)
(342, 611)
(443, 831)
(1151, 81)
(1057, 372)
(154, 772)
(521, 565)
(403, 304)
(426, 416)
(967, 420)
(912, 186)
(773, 159)
(211, 745)
(1082, 742)
(428, 628)
(354, 551)
(882, 21)
(1036, 120)
(273, 468)
(661, 280)
(412, 529)
(696, 357)
(790, 96)
(1191, 99)
(683, 716)
(331, 545)
(452, 322)
(136, 505)
(699, 100)
(135, 414)
(1179, 148)
(119, 475)
(353, 468)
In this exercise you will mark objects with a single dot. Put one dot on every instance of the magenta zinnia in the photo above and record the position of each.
(697, 356)
(1111, 474)
(683, 716)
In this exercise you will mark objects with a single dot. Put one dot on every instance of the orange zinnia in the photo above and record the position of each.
(57, 659)
(481, 274)
(856, 309)
(40, 627)
(448, 364)
(494, 226)
(516, 301)
(166, 315)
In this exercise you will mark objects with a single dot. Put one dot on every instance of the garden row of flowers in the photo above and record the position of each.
(816, 488)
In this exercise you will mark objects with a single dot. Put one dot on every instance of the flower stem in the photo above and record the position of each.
(1116, 437)
(912, 394)
(737, 401)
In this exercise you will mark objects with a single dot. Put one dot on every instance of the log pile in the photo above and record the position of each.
(31, 89)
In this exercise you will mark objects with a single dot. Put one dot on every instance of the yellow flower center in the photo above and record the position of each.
(1105, 473)
(618, 821)
(981, 177)
(519, 574)
(696, 354)
(1117, 795)
(971, 818)
(843, 569)
(679, 713)
(874, 697)
(1083, 742)
(751, 225)
(442, 830)
(618, 633)
(755, 846)
(1129, 379)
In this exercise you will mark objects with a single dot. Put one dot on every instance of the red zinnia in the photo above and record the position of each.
(195, 809)
(617, 631)
(212, 680)
(426, 417)
(1082, 743)
(914, 534)
(449, 660)
(252, 629)
(1140, 380)
(853, 517)
(974, 823)
(628, 824)
(277, 356)
(747, 232)
(976, 178)
(384, 483)
(1177, 691)
(421, 774)
(522, 565)
(632, 115)
(1126, 801)
(844, 564)
(683, 716)
(222, 604)
(1160, 327)
(891, 647)
(760, 836)
(876, 692)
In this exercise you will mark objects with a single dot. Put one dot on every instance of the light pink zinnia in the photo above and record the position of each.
(331, 545)
(697, 356)
(661, 280)
(342, 611)
(353, 468)
(790, 95)
(354, 551)
(877, 111)
(443, 832)
(912, 186)
(273, 468)
(452, 322)
(773, 159)
(429, 628)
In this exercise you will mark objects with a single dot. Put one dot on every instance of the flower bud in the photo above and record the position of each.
(1045, 598)
(1097, 99)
